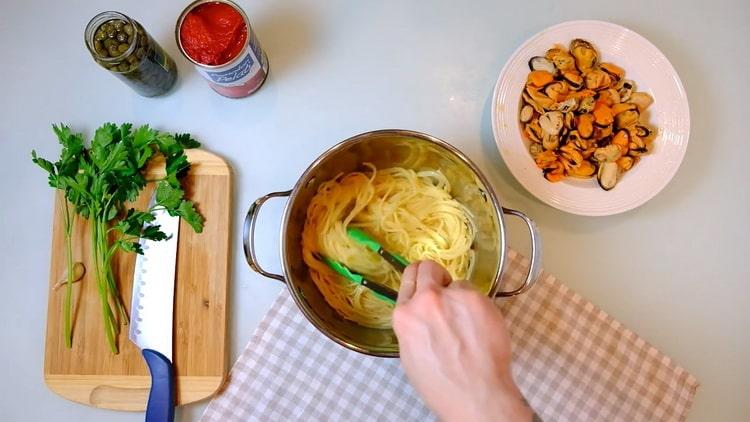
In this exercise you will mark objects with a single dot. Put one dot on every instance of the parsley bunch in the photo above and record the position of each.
(99, 181)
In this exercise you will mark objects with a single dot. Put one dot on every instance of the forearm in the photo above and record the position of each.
(505, 403)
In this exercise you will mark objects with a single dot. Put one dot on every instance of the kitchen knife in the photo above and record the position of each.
(152, 314)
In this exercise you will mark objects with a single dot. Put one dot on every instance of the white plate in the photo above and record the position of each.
(652, 73)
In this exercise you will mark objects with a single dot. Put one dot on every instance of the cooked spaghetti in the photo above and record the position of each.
(411, 213)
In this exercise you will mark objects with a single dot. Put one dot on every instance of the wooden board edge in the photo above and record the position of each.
(230, 226)
(127, 392)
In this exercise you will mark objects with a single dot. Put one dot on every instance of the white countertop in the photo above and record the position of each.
(674, 270)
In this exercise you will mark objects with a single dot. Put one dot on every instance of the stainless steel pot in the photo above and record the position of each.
(388, 148)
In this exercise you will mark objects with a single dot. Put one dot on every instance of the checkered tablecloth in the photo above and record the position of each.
(572, 361)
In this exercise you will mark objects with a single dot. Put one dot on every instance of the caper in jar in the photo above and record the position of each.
(123, 47)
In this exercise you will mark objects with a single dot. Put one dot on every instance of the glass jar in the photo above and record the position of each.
(121, 45)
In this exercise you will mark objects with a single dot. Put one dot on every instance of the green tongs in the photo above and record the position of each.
(398, 262)
(381, 291)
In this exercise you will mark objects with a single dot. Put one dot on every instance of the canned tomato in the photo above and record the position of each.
(216, 36)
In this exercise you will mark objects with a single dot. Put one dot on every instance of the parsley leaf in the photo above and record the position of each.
(168, 195)
(190, 215)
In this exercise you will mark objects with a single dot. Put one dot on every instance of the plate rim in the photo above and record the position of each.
(564, 207)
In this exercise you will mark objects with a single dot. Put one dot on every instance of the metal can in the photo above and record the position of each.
(241, 74)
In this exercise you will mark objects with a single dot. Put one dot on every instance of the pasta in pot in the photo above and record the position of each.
(411, 213)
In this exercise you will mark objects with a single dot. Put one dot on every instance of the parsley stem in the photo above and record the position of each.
(68, 301)
(109, 329)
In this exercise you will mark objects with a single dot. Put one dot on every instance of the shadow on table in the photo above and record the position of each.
(287, 35)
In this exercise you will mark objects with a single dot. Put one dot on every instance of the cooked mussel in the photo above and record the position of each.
(622, 141)
(615, 72)
(607, 154)
(620, 107)
(561, 58)
(551, 122)
(566, 106)
(598, 79)
(534, 131)
(574, 79)
(626, 119)
(528, 100)
(535, 149)
(540, 99)
(539, 78)
(607, 175)
(550, 142)
(587, 105)
(585, 125)
(642, 131)
(584, 170)
(527, 112)
(557, 91)
(542, 63)
(625, 163)
(625, 89)
(642, 100)
(584, 54)
(602, 114)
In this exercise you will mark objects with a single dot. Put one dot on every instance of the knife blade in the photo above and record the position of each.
(152, 313)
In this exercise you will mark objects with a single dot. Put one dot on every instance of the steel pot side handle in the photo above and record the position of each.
(248, 234)
(535, 266)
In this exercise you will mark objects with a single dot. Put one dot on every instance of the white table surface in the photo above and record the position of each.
(674, 270)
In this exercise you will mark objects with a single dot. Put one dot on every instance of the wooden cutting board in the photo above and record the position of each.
(90, 373)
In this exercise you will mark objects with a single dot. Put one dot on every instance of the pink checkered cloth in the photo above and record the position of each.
(572, 362)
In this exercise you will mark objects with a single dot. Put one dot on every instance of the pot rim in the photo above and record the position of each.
(302, 180)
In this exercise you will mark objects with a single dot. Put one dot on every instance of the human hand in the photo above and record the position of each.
(455, 348)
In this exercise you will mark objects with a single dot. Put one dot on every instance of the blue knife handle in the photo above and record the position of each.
(160, 406)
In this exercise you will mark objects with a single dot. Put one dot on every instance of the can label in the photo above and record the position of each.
(238, 73)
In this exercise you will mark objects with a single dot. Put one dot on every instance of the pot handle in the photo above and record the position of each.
(536, 254)
(248, 234)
